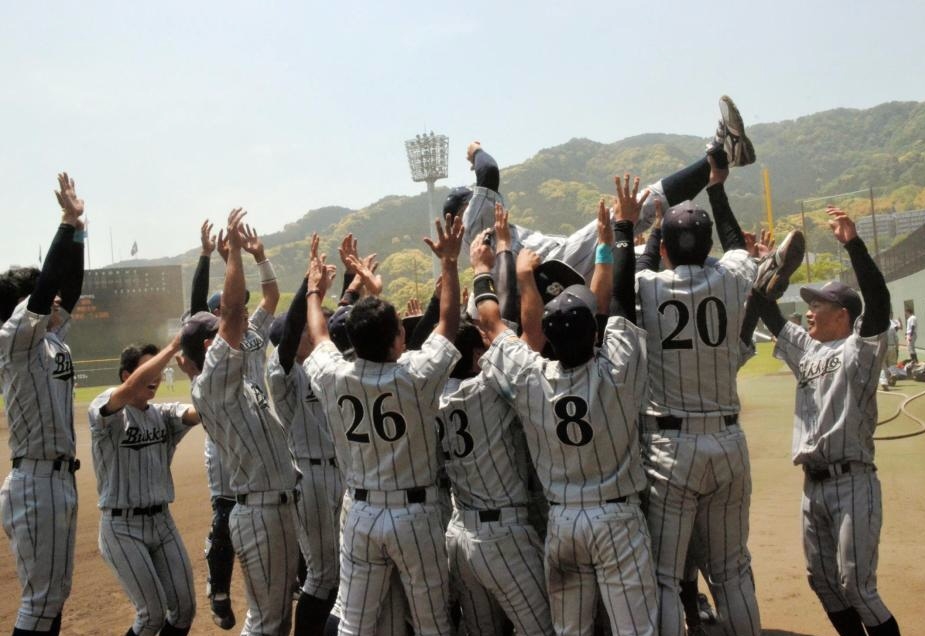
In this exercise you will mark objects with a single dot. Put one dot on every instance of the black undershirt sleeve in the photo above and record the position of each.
(624, 271)
(876, 295)
(487, 174)
(199, 294)
(425, 325)
(73, 277)
(293, 327)
(730, 234)
(56, 262)
(651, 259)
(506, 286)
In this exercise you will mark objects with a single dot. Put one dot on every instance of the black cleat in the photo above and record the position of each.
(738, 146)
(222, 614)
(775, 269)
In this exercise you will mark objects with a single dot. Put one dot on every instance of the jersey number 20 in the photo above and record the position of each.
(703, 324)
(381, 420)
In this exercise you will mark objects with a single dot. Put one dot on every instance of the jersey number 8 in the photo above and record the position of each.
(571, 410)
(389, 425)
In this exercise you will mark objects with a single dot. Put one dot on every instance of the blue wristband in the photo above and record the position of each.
(603, 255)
(80, 236)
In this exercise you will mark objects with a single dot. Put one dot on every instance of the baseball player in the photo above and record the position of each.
(577, 250)
(38, 501)
(219, 551)
(252, 444)
(580, 417)
(836, 363)
(912, 332)
(495, 555)
(133, 442)
(382, 409)
(321, 487)
(695, 451)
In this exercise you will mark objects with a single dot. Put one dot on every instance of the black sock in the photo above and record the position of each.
(886, 628)
(847, 622)
(311, 614)
(689, 602)
(170, 630)
(55, 626)
(686, 183)
(130, 632)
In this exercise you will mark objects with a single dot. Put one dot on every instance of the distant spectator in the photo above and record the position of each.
(911, 333)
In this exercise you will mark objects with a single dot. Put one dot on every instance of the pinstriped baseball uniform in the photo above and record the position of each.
(696, 453)
(577, 249)
(490, 543)
(300, 412)
(38, 502)
(254, 347)
(254, 449)
(836, 414)
(384, 417)
(581, 427)
(132, 452)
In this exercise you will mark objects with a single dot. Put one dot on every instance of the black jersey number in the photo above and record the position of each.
(571, 410)
(710, 310)
(389, 425)
(462, 426)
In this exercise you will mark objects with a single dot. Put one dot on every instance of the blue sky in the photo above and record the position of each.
(168, 112)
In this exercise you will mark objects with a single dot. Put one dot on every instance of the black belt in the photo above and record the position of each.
(412, 495)
(146, 512)
(318, 462)
(833, 470)
(606, 501)
(284, 497)
(487, 516)
(71, 465)
(672, 423)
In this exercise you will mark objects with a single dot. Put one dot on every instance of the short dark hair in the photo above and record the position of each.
(16, 283)
(468, 339)
(372, 326)
(131, 357)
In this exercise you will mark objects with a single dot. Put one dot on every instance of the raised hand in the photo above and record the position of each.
(480, 253)
(449, 240)
(414, 308)
(72, 208)
(365, 269)
(348, 247)
(251, 243)
(527, 261)
(604, 226)
(320, 274)
(659, 212)
(502, 229)
(233, 231)
(222, 245)
(206, 238)
(626, 204)
(471, 150)
(841, 224)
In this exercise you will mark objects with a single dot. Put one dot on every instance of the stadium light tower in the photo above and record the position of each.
(427, 158)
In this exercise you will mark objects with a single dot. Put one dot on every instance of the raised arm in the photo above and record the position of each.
(506, 267)
(318, 277)
(251, 243)
(73, 277)
(199, 294)
(626, 212)
(232, 321)
(428, 320)
(449, 241)
(134, 387)
(876, 295)
(602, 277)
(293, 327)
(59, 255)
(651, 255)
(730, 234)
(483, 287)
(487, 174)
(531, 303)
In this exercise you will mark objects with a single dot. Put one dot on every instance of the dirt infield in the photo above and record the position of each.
(98, 606)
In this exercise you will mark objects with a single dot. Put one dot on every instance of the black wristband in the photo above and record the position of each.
(483, 288)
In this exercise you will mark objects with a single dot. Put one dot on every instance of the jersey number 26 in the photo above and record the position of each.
(389, 425)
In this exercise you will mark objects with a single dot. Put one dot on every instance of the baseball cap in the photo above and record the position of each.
(337, 328)
(199, 327)
(568, 313)
(835, 292)
(276, 328)
(455, 199)
(553, 277)
(687, 231)
(215, 300)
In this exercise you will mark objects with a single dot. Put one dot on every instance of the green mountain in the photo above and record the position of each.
(557, 190)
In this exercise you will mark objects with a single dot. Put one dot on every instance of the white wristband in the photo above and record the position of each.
(267, 275)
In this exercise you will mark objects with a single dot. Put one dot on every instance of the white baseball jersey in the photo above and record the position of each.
(37, 376)
(383, 415)
(580, 423)
(836, 405)
(479, 446)
(254, 347)
(912, 328)
(253, 445)
(693, 316)
(132, 451)
(299, 410)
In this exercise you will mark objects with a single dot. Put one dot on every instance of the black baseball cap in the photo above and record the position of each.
(455, 199)
(837, 293)
(687, 231)
(553, 277)
(199, 327)
(337, 328)
(568, 314)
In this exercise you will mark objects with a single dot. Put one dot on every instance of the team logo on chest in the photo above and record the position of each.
(138, 438)
(814, 369)
(64, 368)
(252, 342)
(259, 396)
